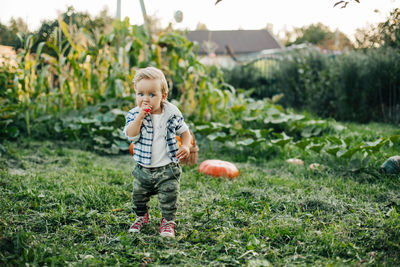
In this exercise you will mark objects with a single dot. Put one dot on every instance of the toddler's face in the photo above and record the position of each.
(148, 93)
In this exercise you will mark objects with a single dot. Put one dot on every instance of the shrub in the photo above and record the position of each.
(358, 86)
(367, 85)
(252, 77)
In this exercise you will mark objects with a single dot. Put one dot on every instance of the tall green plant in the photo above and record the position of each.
(358, 86)
(366, 85)
(199, 88)
(86, 69)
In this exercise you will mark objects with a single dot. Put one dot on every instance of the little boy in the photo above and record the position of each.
(153, 126)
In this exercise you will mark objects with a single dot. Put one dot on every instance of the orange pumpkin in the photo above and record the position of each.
(178, 138)
(219, 168)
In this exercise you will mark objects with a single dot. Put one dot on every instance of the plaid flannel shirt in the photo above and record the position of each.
(175, 125)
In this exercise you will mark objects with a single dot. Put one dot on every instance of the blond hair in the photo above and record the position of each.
(151, 73)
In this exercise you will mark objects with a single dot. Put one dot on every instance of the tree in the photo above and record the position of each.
(154, 24)
(100, 24)
(18, 25)
(385, 34)
(201, 26)
(321, 36)
(314, 33)
(9, 35)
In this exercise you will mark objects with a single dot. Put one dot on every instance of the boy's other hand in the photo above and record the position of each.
(183, 152)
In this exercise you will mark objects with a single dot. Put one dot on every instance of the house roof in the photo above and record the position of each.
(240, 41)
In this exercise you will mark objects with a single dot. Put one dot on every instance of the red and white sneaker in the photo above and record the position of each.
(167, 228)
(139, 223)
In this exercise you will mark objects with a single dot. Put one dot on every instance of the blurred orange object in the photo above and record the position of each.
(178, 138)
(131, 149)
(296, 161)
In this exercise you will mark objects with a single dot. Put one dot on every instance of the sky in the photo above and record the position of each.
(226, 15)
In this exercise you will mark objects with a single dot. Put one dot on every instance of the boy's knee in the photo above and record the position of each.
(168, 192)
(169, 187)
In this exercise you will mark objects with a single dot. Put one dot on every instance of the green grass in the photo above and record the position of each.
(63, 206)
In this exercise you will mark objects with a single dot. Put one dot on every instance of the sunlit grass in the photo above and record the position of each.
(61, 205)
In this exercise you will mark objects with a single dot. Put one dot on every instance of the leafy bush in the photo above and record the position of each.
(367, 85)
(358, 86)
(83, 93)
(251, 77)
(88, 71)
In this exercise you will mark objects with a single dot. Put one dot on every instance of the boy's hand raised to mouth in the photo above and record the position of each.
(145, 109)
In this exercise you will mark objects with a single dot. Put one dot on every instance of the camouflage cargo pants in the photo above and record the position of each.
(163, 181)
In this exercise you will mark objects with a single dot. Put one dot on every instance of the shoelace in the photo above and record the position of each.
(139, 221)
(167, 226)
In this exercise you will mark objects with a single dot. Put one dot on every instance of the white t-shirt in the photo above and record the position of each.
(159, 151)
(158, 144)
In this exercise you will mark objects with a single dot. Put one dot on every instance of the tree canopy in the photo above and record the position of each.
(17, 29)
(319, 35)
(385, 34)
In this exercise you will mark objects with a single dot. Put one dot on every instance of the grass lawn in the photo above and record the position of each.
(63, 206)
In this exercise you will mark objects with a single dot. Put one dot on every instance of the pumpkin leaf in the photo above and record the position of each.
(338, 127)
(295, 117)
(282, 140)
(86, 121)
(315, 147)
(205, 129)
(257, 133)
(303, 143)
(334, 140)
(107, 117)
(277, 119)
(122, 145)
(114, 149)
(355, 165)
(246, 142)
(57, 127)
(117, 111)
(250, 118)
(101, 140)
(118, 133)
(218, 136)
(394, 139)
(218, 125)
(312, 130)
(347, 154)
(374, 146)
(333, 150)
(348, 140)
(74, 126)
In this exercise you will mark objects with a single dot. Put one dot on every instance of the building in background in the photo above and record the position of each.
(7, 55)
(225, 48)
